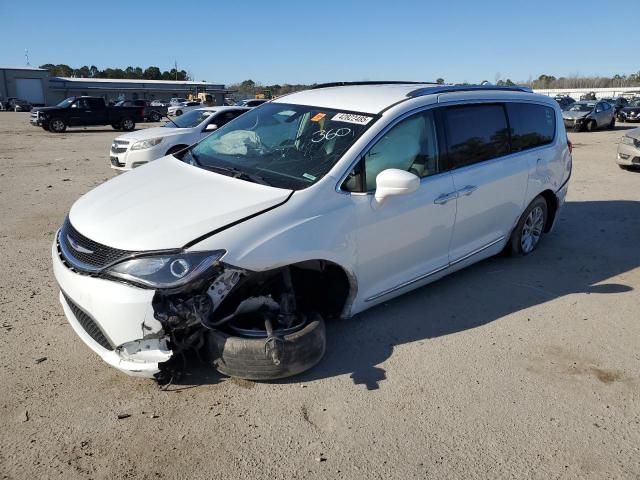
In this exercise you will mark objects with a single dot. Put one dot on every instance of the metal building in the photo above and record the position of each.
(125, 89)
(26, 83)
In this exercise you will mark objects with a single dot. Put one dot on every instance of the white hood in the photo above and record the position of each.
(166, 204)
(146, 133)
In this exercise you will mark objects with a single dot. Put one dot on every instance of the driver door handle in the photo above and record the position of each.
(468, 190)
(445, 197)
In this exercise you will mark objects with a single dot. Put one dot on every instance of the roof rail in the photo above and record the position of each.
(373, 82)
(465, 88)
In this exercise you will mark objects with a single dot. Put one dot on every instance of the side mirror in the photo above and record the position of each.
(393, 182)
(211, 127)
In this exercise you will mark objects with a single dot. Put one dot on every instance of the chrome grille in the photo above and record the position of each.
(88, 324)
(119, 146)
(84, 254)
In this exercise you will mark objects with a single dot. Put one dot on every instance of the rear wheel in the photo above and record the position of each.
(528, 232)
(57, 125)
(127, 124)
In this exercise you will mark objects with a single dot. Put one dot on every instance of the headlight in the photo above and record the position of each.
(166, 271)
(631, 141)
(142, 144)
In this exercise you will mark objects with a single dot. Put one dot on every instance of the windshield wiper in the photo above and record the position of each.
(235, 173)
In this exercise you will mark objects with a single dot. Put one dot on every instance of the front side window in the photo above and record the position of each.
(531, 125)
(287, 146)
(476, 133)
(410, 145)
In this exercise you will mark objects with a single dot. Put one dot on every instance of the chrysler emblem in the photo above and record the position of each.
(77, 247)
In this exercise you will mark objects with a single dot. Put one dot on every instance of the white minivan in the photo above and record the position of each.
(136, 148)
(316, 205)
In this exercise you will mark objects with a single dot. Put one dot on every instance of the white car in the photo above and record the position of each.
(316, 205)
(136, 148)
(179, 109)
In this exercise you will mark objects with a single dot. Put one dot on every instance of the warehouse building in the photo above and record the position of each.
(38, 88)
(123, 89)
(27, 83)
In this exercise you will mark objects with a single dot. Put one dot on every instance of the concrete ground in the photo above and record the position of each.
(521, 368)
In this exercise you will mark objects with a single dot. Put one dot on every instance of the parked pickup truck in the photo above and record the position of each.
(85, 111)
(152, 113)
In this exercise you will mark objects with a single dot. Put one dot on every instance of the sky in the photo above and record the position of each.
(326, 40)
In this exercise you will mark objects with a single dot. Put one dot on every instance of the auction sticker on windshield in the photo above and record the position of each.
(351, 118)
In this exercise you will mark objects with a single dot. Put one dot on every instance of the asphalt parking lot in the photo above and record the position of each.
(525, 368)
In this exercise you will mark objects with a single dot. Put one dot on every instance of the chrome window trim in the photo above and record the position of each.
(439, 104)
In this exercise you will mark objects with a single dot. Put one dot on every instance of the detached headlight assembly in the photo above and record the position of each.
(142, 144)
(166, 271)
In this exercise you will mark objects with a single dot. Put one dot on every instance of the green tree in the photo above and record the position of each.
(152, 73)
(440, 81)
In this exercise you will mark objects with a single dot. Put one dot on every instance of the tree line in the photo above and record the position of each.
(149, 73)
(576, 81)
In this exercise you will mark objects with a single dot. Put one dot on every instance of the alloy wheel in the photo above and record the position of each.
(532, 230)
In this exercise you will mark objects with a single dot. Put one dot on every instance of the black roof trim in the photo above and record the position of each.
(373, 82)
(464, 88)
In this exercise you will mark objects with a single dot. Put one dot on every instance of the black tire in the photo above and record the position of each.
(127, 124)
(591, 126)
(155, 117)
(244, 357)
(178, 113)
(515, 245)
(57, 125)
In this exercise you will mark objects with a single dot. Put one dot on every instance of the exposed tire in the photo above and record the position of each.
(127, 124)
(526, 237)
(244, 357)
(591, 126)
(178, 113)
(57, 125)
(155, 117)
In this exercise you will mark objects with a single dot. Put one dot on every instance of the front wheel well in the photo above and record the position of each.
(319, 285)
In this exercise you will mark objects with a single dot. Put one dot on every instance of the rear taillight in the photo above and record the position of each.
(570, 145)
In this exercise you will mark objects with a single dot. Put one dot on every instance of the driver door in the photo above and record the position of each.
(219, 120)
(406, 241)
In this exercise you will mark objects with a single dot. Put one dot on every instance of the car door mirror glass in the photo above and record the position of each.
(394, 182)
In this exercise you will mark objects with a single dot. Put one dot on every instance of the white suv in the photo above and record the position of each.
(133, 149)
(317, 205)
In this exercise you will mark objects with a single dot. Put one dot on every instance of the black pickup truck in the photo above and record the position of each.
(83, 112)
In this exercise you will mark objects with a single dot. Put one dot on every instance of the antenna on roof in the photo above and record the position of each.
(26, 56)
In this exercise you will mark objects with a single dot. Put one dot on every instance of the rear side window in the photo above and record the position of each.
(531, 125)
(476, 133)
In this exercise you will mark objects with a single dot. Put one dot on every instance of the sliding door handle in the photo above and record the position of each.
(445, 197)
(468, 190)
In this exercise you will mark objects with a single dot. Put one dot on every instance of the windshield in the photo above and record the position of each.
(581, 107)
(288, 146)
(66, 102)
(190, 119)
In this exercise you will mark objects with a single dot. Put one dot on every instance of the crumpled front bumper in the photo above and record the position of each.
(113, 319)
